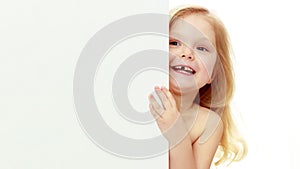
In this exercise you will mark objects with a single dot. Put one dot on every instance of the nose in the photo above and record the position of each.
(187, 53)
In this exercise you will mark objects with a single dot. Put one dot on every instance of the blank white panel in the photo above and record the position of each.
(41, 42)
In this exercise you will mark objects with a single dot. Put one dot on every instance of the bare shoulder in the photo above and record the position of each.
(206, 144)
(213, 126)
(205, 124)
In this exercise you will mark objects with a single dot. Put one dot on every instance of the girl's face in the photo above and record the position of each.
(192, 53)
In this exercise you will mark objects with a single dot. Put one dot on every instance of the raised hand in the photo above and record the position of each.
(167, 116)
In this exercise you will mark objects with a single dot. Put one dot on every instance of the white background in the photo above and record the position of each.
(265, 38)
(40, 42)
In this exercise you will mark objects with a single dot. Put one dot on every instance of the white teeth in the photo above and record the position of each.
(188, 69)
(184, 68)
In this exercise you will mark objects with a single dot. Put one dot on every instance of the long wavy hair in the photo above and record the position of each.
(218, 94)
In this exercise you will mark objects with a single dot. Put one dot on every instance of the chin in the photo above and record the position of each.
(182, 88)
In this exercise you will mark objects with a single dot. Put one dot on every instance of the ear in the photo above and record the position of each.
(209, 81)
(212, 76)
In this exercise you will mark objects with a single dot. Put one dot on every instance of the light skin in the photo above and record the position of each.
(195, 51)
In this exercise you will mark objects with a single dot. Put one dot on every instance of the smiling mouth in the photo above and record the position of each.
(184, 69)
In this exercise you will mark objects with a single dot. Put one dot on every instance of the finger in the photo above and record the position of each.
(163, 98)
(157, 99)
(169, 96)
(155, 105)
(154, 113)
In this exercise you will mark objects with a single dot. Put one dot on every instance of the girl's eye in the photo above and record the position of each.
(174, 43)
(202, 49)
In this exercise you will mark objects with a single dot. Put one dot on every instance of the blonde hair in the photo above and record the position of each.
(217, 95)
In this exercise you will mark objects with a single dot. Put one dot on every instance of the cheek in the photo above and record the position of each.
(171, 55)
(207, 65)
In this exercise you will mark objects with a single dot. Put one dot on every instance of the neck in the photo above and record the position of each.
(185, 101)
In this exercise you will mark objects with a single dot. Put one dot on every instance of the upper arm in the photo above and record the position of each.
(204, 152)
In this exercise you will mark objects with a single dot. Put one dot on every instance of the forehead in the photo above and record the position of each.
(194, 25)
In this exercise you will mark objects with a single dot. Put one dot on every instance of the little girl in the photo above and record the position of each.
(194, 114)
